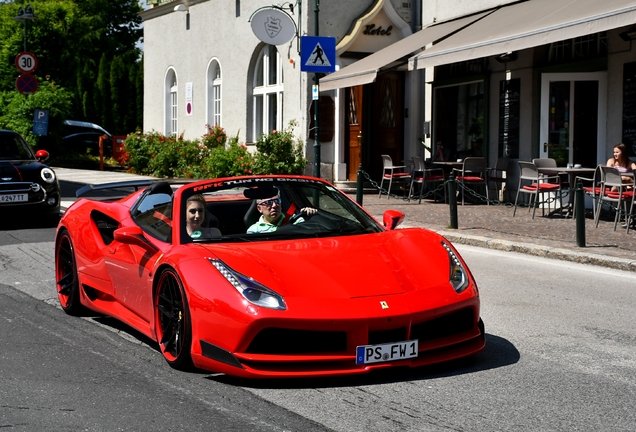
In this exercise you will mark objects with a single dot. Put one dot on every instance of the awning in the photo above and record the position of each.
(365, 70)
(525, 25)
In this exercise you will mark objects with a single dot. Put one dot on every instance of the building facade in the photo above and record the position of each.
(522, 80)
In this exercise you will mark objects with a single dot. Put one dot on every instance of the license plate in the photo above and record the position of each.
(366, 354)
(14, 198)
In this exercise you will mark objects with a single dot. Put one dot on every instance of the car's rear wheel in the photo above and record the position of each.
(66, 275)
(172, 321)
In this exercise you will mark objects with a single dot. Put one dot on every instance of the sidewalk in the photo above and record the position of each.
(480, 225)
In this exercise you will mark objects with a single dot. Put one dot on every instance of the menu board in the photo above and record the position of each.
(629, 108)
(509, 112)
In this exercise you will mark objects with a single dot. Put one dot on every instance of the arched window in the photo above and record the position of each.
(170, 103)
(214, 93)
(267, 92)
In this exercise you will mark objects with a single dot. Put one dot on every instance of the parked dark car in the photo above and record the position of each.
(26, 183)
(83, 137)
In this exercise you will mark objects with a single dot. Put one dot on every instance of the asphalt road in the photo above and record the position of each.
(560, 355)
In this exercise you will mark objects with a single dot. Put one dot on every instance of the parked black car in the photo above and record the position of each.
(26, 183)
(83, 137)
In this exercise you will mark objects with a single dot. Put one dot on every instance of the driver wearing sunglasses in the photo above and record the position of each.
(272, 216)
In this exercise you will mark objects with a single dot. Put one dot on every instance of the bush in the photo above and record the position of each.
(279, 153)
(212, 156)
(216, 137)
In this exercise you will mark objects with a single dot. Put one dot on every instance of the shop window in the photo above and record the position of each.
(214, 93)
(459, 118)
(580, 48)
(171, 107)
(267, 93)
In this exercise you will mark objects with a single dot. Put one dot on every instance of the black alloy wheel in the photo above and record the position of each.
(172, 319)
(66, 275)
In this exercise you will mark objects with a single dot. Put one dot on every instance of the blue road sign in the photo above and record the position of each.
(40, 122)
(318, 54)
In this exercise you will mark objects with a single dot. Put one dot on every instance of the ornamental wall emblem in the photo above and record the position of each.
(272, 26)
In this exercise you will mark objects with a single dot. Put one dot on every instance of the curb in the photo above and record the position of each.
(541, 251)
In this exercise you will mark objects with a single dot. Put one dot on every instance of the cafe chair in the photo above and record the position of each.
(473, 173)
(551, 163)
(592, 187)
(425, 177)
(538, 184)
(611, 178)
(392, 172)
(498, 175)
(630, 214)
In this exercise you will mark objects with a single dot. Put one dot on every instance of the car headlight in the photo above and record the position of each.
(47, 175)
(458, 275)
(253, 291)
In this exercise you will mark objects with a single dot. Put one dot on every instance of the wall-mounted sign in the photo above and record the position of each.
(188, 96)
(372, 30)
(273, 26)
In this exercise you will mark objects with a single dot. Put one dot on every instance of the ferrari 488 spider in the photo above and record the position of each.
(327, 291)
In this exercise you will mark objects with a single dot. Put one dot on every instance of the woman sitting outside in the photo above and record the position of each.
(621, 162)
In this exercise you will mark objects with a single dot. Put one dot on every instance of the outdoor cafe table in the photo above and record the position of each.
(572, 173)
(448, 164)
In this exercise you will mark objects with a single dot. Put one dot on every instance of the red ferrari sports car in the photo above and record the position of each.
(325, 290)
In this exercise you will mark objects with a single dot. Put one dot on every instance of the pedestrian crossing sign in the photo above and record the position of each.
(317, 54)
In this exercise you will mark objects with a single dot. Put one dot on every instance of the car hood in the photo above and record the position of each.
(17, 170)
(387, 263)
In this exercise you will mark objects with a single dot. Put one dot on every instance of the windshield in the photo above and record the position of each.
(260, 209)
(13, 147)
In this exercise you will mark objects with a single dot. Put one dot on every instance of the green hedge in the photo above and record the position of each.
(214, 155)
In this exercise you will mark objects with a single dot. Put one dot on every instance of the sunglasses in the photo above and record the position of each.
(270, 202)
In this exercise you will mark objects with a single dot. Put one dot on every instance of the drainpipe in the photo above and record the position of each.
(416, 19)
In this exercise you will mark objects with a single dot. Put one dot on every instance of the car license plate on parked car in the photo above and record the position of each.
(366, 354)
(14, 198)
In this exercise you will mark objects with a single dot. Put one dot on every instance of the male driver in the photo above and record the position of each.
(272, 216)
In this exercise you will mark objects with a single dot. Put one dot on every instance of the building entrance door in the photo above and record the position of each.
(573, 113)
(354, 132)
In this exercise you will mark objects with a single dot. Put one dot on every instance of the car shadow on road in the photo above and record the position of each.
(498, 352)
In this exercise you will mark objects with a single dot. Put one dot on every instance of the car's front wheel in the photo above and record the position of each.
(172, 321)
(66, 275)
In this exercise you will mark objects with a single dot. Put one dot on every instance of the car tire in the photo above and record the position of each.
(67, 282)
(172, 321)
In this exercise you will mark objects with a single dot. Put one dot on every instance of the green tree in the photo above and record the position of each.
(70, 39)
(119, 91)
(104, 103)
(17, 113)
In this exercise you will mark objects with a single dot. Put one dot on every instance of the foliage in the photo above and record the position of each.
(279, 153)
(77, 42)
(16, 113)
(233, 160)
(215, 137)
(155, 154)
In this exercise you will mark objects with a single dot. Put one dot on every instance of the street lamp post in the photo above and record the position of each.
(317, 102)
(25, 14)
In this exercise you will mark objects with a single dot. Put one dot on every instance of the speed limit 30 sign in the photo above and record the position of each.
(27, 62)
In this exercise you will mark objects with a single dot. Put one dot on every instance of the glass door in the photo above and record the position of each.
(573, 111)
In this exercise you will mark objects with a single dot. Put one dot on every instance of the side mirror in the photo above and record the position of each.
(132, 236)
(42, 155)
(392, 218)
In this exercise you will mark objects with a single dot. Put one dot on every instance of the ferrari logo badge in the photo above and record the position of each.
(384, 305)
